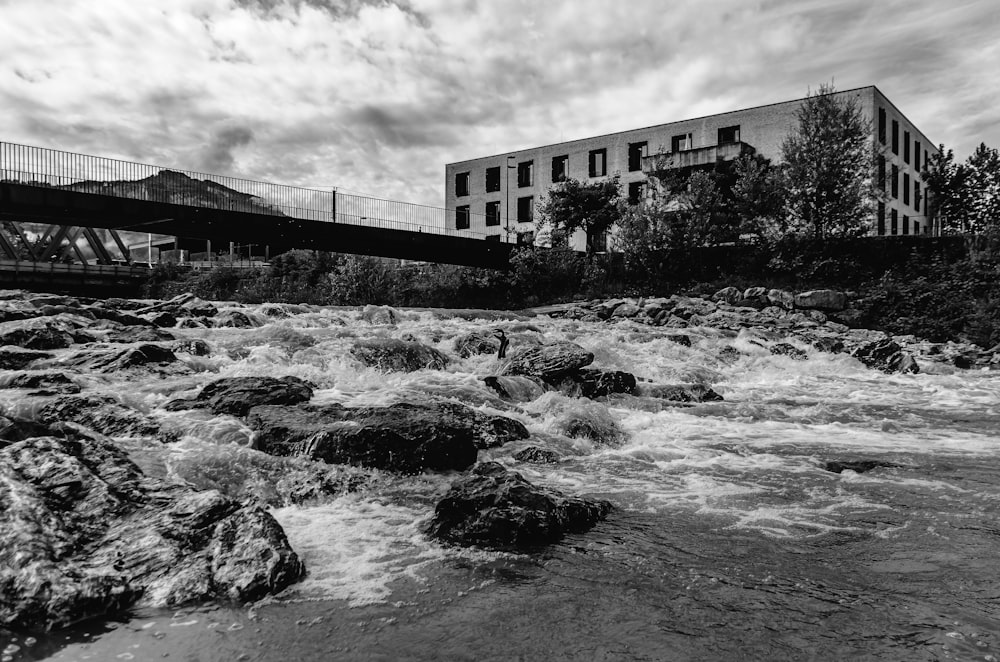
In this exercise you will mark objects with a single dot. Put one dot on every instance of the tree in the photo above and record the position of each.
(695, 202)
(981, 181)
(573, 205)
(946, 181)
(829, 164)
(758, 198)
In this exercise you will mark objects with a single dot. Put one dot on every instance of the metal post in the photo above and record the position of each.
(149, 248)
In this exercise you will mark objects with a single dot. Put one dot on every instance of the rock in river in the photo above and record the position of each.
(886, 355)
(237, 395)
(84, 533)
(549, 361)
(101, 413)
(493, 507)
(398, 355)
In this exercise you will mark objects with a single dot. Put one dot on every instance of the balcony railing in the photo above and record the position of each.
(700, 156)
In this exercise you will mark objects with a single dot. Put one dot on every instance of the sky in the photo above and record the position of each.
(376, 96)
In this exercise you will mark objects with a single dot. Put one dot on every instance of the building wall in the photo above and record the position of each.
(763, 127)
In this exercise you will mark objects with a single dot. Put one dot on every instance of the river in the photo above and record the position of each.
(730, 537)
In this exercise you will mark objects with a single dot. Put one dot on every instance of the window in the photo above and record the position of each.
(895, 137)
(906, 188)
(525, 173)
(925, 158)
(881, 173)
(916, 194)
(493, 237)
(916, 227)
(635, 192)
(526, 238)
(493, 179)
(462, 184)
(462, 217)
(597, 242)
(493, 213)
(525, 209)
(598, 162)
(906, 224)
(895, 181)
(881, 125)
(559, 166)
(894, 220)
(881, 218)
(680, 143)
(635, 153)
(906, 146)
(916, 155)
(729, 134)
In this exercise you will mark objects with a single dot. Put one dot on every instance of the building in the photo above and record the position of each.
(496, 195)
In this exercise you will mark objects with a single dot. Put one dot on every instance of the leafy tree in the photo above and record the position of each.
(573, 205)
(695, 203)
(758, 197)
(981, 181)
(946, 180)
(829, 160)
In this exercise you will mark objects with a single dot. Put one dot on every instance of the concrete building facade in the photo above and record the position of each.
(497, 195)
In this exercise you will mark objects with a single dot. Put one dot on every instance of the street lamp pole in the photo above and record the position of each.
(507, 195)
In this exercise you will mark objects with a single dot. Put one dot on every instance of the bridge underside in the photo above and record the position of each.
(25, 203)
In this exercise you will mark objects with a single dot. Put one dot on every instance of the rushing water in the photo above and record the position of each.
(730, 539)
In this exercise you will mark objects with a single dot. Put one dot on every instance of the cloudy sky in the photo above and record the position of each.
(375, 96)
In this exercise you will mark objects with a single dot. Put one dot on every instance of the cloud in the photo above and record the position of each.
(219, 156)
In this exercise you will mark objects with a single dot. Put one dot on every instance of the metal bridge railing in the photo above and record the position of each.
(43, 167)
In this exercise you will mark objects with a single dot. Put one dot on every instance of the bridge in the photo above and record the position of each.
(79, 204)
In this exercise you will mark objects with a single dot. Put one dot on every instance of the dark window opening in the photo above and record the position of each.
(635, 191)
(906, 188)
(493, 179)
(492, 213)
(895, 181)
(906, 146)
(881, 125)
(597, 242)
(493, 237)
(729, 134)
(881, 218)
(893, 222)
(881, 173)
(895, 137)
(559, 166)
(526, 238)
(525, 173)
(462, 217)
(525, 209)
(680, 143)
(906, 224)
(916, 226)
(598, 162)
(635, 153)
(462, 184)
(925, 158)
(916, 155)
(916, 195)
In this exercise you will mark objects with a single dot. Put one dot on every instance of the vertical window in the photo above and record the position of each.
(462, 217)
(493, 179)
(462, 184)
(525, 209)
(598, 162)
(635, 153)
(906, 224)
(525, 174)
(906, 146)
(729, 134)
(681, 142)
(916, 194)
(881, 125)
(906, 188)
(493, 213)
(895, 137)
(893, 221)
(559, 164)
(895, 181)
(925, 158)
(881, 173)
(916, 155)
(916, 226)
(635, 192)
(597, 242)
(880, 218)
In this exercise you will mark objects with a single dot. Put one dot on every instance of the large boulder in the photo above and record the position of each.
(496, 508)
(143, 334)
(15, 358)
(833, 300)
(516, 388)
(234, 319)
(101, 413)
(403, 437)
(549, 361)
(40, 333)
(379, 315)
(730, 295)
(84, 533)
(477, 342)
(594, 383)
(147, 356)
(781, 299)
(238, 395)
(679, 392)
(395, 355)
(46, 383)
(886, 355)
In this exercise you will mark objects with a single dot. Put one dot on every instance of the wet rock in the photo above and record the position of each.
(402, 437)
(13, 358)
(516, 388)
(549, 361)
(537, 455)
(496, 508)
(679, 392)
(84, 533)
(49, 383)
(146, 356)
(833, 300)
(162, 319)
(101, 413)
(144, 334)
(886, 355)
(729, 354)
(477, 342)
(680, 339)
(858, 466)
(828, 344)
(626, 309)
(182, 305)
(106, 312)
(398, 355)
(730, 295)
(233, 319)
(789, 350)
(594, 383)
(592, 421)
(194, 347)
(237, 395)
(38, 333)
(781, 299)
(16, 429)
(273, 310)
(380, 315)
